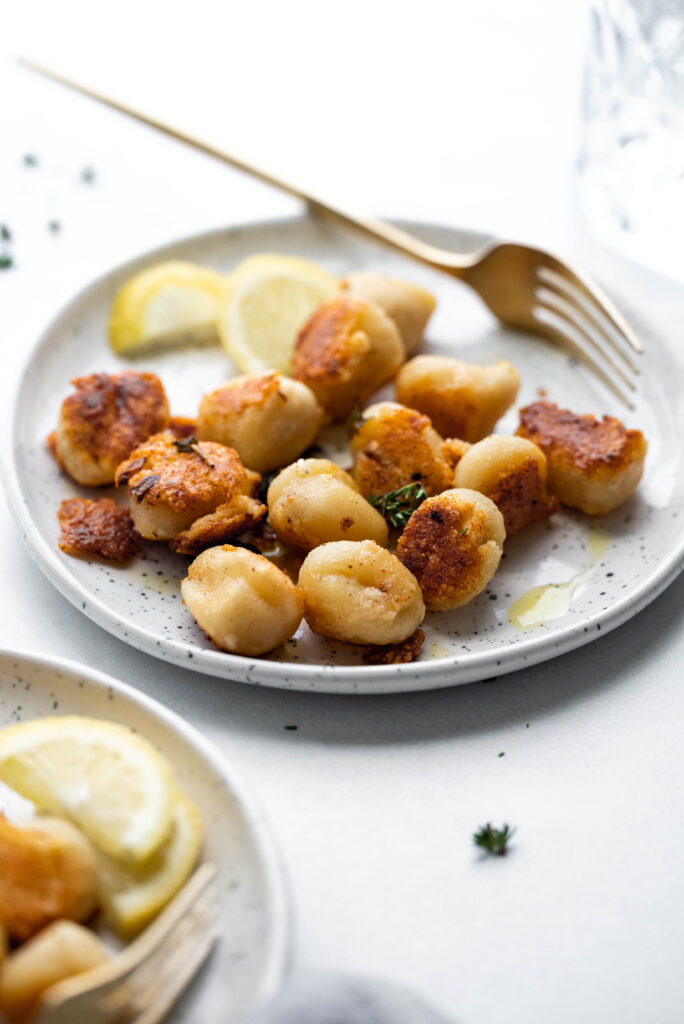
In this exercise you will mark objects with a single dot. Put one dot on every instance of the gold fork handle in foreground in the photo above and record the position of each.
(379, 230)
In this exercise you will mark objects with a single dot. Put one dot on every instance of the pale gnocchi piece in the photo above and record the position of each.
(409, 305)
(190, 493)
(313, 502)
(360, 593)
(452, 544)
(244, 603)
(512, 472)
(62, 950)
(462, 400)
(104, 419)
(267, 418)
(393, 446)
(345, 351)
(594, 465)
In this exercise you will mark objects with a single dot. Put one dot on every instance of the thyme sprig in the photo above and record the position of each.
(398, 506)
(190, 445)
(494, 840)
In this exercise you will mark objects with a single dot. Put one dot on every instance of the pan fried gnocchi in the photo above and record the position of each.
(453, 545)
(269, 419)
(512, 472)
(392, 445)
(243, 602)
(461, 399)
(313, 502)
(428, 478)
(345, 351)
(359, 592)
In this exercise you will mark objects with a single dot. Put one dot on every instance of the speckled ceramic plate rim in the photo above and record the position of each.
(357, 680)
(276, 888)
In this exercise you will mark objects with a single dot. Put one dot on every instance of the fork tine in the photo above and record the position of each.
(552, 299)
(176, 983)
(557, 328)
(599, 303)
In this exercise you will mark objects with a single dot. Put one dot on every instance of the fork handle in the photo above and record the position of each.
(378, 230)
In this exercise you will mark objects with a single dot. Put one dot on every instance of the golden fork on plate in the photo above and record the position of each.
(524, 287)
(142, 983)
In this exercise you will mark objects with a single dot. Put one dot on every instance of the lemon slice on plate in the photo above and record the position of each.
(133, 896)
(267, 300)
(169, 302)
(103, 777)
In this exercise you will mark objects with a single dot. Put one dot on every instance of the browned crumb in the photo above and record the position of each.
(183, 426)
(453, 450)
(97, 527)
(542, 392)
(346, 522)
(581, 441)
(241, 513)
(396, 654)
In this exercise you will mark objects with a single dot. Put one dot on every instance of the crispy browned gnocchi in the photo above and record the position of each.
(461, 399)
(190, 493)
(104, 419)
(346, 351)
(244, 603)
(360, 593)
(594, 465)
(392, 446)
(269, 419)
(313, 502)
(452, 544)
(62, 950)
(512, 472)
(409, 305)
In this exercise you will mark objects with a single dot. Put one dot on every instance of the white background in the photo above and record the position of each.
(465, 113)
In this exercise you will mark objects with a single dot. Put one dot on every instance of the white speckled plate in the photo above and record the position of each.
(248, 962)
(142, 604)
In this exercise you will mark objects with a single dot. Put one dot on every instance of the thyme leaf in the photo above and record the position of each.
(494, 840)
(190, 445)
(398, 506)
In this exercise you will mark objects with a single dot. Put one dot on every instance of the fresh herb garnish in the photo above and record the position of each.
(30, 160)
(355, 421)
(494, 840)
(464, 531)
(6, 261)
(5, 233)
(398, 506)
(188, 445)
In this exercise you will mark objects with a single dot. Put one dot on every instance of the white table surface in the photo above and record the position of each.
(456, 112)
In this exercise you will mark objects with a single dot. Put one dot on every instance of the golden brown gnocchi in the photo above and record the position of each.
(190, 493)
(62, 950)
(452, 544)
(244, 603)
(461, 399)
(512, 472)
(313, 502)
(392, 446)
(346, 351)
(406, 303)
(267, 418)
(104, 419)
(360, 593)
(594, 465)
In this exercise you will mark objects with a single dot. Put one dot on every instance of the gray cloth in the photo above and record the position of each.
(345, 999)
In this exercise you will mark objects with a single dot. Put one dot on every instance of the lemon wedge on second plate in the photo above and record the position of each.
(133, 896)
(101, 776)
(169, 302)
(267, 300)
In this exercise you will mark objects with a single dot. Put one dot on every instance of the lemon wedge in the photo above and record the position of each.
(133, 896)
(267, 300)
(169, 302)
(101, 776)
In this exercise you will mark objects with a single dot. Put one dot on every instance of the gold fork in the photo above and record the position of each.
(526, 288)
(142, 983)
